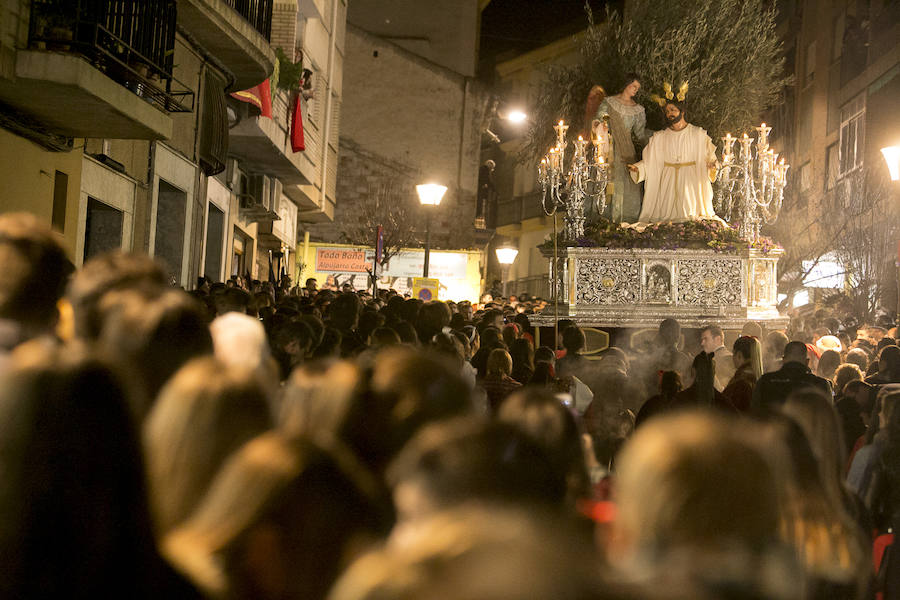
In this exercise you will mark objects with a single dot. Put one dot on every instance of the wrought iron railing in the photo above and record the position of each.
(132, 42)
(256, 12)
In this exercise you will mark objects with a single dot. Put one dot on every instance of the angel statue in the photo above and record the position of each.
(627, 124)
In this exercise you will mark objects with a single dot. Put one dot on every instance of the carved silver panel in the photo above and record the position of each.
(658, 282)
(709, 281)
(608, 281)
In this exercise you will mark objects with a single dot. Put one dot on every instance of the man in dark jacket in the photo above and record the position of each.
(773, 388)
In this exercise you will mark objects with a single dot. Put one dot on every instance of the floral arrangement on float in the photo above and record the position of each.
(693, 235)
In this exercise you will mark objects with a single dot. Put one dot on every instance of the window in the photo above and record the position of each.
(805, 177)
(810, 64)
(831, 166)
(837, 38)
(852, 135)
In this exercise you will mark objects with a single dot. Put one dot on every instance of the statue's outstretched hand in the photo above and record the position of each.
(632, 168)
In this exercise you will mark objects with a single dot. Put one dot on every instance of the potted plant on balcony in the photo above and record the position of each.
(55, 31)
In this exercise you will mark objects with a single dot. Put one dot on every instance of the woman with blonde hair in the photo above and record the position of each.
(205, 412)
(821, 425)
(280, 521)
(829, 545)
(696, 504)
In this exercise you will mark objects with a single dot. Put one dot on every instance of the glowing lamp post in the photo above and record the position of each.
(430, 194)
(892, 158)
(506, 256)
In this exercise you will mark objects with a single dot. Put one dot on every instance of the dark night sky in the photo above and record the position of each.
(512, 27)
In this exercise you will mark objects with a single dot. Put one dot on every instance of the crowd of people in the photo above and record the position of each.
(245, 440)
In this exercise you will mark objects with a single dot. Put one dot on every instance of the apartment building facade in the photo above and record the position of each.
(120, 128)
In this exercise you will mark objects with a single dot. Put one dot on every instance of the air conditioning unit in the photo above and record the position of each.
(259, 191)
(277, 188)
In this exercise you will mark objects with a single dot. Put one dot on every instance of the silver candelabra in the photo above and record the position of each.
(750, 188)
(583, 183)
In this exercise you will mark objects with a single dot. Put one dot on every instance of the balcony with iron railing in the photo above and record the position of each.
(236, 32)
(99, 68)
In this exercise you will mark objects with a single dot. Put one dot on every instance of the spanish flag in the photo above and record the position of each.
(259, 96)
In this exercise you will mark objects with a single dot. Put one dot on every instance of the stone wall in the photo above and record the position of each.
(409, 121)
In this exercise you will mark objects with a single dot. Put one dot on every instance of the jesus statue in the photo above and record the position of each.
(678, 167)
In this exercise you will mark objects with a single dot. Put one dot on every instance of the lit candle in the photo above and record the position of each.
(561, 129)
(727, 148)
(763, 140)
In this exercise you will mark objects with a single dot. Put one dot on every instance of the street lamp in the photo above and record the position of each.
(430, 194)
(892, 158)
(516, 116)
(506, 255)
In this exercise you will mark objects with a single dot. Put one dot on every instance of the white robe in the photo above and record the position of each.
(677, 186)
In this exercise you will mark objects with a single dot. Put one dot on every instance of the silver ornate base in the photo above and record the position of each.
(603, 287)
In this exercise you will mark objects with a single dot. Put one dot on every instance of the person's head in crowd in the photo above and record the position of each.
(433, 317)
(711, 338)
(752, 329)
(858, 357)
(795, 352)
(669, 333)
(343, 312)
(33, 277)
(279, 522)
(231, 300)
(703, 373)
(843, 375)
(544, 373)
(616, 359)
(153, 334)
(510, 334)
(499, 364)
(692, 490)
(317, 327)
(457, 321)
(524, 324)
(478, 553)
(545, 354)
(573, 340)
(105, 273)
(464, 461)
(203, 414)
(821, 425)
(829, 342)
(311, 286)
(861, 392)
(884, 343)
(409, 311)
(383, 337)
(747, 353)
(491, 318)
(828, 544)
(464, 342)
(886, 401)
(369, 321)
(491, 338)
(889, 364)
(290, 341)
(670, 383)
(540, 414)
(776, 342)
(828, 364)
(407, 333)
(317, 398)
(260, 304)
(407, 389)
(448, 346)
(330, 346)
(74, 520)
(240, 341)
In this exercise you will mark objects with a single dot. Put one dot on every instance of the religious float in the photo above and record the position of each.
(609, 275)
